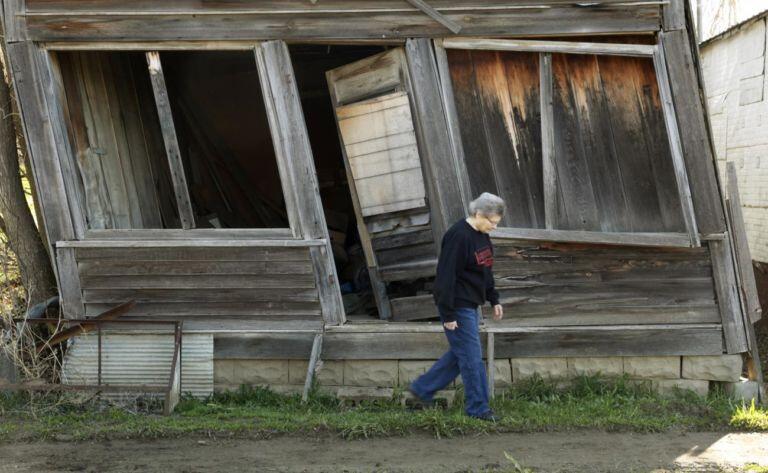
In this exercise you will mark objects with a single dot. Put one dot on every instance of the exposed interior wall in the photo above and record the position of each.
(734, 70)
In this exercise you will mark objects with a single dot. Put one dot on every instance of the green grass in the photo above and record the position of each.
(590, 403)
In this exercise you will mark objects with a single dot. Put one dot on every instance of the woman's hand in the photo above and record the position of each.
(498, 312)
(451, 325)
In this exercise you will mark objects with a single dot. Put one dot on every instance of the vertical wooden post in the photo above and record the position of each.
(314, 357)
(293, 149)
(491, 348)
(69, 284)
(186, 215)
(546, 87)
(728, 296)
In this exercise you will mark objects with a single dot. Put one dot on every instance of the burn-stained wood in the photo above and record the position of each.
(497, 101)
(614, 167)
(51, 21)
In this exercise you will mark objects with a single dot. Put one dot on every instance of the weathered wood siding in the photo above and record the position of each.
(211, 20)
(552, 284)
(200, 281)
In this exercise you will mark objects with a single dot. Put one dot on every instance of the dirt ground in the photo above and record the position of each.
(579, 451)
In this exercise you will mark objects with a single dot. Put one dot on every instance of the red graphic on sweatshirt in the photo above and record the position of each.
(484, 257)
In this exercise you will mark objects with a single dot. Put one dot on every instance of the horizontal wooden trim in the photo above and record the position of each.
(576, 236)
(201, 233)
(203, 243)
(566, 47)
(194, 45)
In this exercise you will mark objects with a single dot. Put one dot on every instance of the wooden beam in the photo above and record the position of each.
(314, 357)
(675, 147)
(296, 154)
(195, 233)
(673, 15)
(452, 120)
(728, 296)
(436, 15)
(69, 284)
(435, 140)
(578, 236)
(698, 151)
(745, 274)
(165, 115)
(191, 243)
(565, 47)
(549, 169)
(14, 21)
(490, 361)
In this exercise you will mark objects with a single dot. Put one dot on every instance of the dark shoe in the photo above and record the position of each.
(422, 403)
(489, 416)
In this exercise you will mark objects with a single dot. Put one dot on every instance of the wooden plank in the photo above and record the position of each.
(206, 281)
(452, 120)
(238, 310)
(538, 46)
(367, 77)
(323, 22)
(681, 176)
(314, 357)
(728, 296)
(163, 268)
(490, 362)
(436, 15)
(190, 243)
(549, 170)
(745, 274)
(413, 308)
(181, 191)
(14, 22)
(697, 150)
(108, 296)
(446, 203)
(579, 236)
(69, 284)
(296, 148)
(191, 234)
(193, 253)
(673, 15)
(519, 342)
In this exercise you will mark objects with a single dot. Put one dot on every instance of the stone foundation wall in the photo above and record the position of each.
(663, 372)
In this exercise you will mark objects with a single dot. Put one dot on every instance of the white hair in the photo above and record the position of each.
(487, 204)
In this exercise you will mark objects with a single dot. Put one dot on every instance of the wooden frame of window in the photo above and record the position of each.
(690, 238)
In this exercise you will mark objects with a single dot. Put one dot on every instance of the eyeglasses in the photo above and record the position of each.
(494, 221)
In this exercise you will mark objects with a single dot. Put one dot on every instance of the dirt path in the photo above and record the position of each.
(543, 452)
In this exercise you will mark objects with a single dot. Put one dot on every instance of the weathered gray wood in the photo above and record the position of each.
(105, 296)
(181, 191)
(69, 284)
(745, 273)
(681, 176)
(194, 253)
(518, 342)
(548, 141)
(191, 234)
(413, 308)
(164, 268)
(565, 47)
(452, 119)
(15, 26)
(191, 243)
(46, 171)
(579, 236)
(236, 311)
(446, 205)
(300, 21)
(673, 15)
(317, 346)
(206, 281)
(296, 148)
(697, 149)
(436, 15)
(728, 296)
(367, 77)
(490, 362)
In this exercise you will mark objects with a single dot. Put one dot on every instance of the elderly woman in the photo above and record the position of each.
(464, 281)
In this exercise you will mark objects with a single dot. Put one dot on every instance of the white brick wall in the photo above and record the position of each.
(737, 93)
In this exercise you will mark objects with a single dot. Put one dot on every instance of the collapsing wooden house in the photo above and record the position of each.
(277, 174)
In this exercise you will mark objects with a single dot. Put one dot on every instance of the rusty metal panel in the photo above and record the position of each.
(141, 357)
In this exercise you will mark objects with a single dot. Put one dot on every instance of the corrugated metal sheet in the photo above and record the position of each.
(141, 358)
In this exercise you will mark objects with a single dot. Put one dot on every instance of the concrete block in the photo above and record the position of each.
(260, 372)
(223, 371)
(547, 368)
(409, 370)
(502, 373)
(667, 386)
(591, 366)
(713, 368)
(329, 372)
(372, 373)
(663, 367)
(743, 390)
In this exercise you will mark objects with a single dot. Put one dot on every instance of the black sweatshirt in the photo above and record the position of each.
(464, 271)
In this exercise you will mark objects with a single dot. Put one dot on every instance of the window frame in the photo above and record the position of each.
(690, 238)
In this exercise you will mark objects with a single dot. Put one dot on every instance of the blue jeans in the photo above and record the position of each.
(465, 357)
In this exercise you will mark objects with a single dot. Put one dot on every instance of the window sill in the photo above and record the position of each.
(676, 240)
